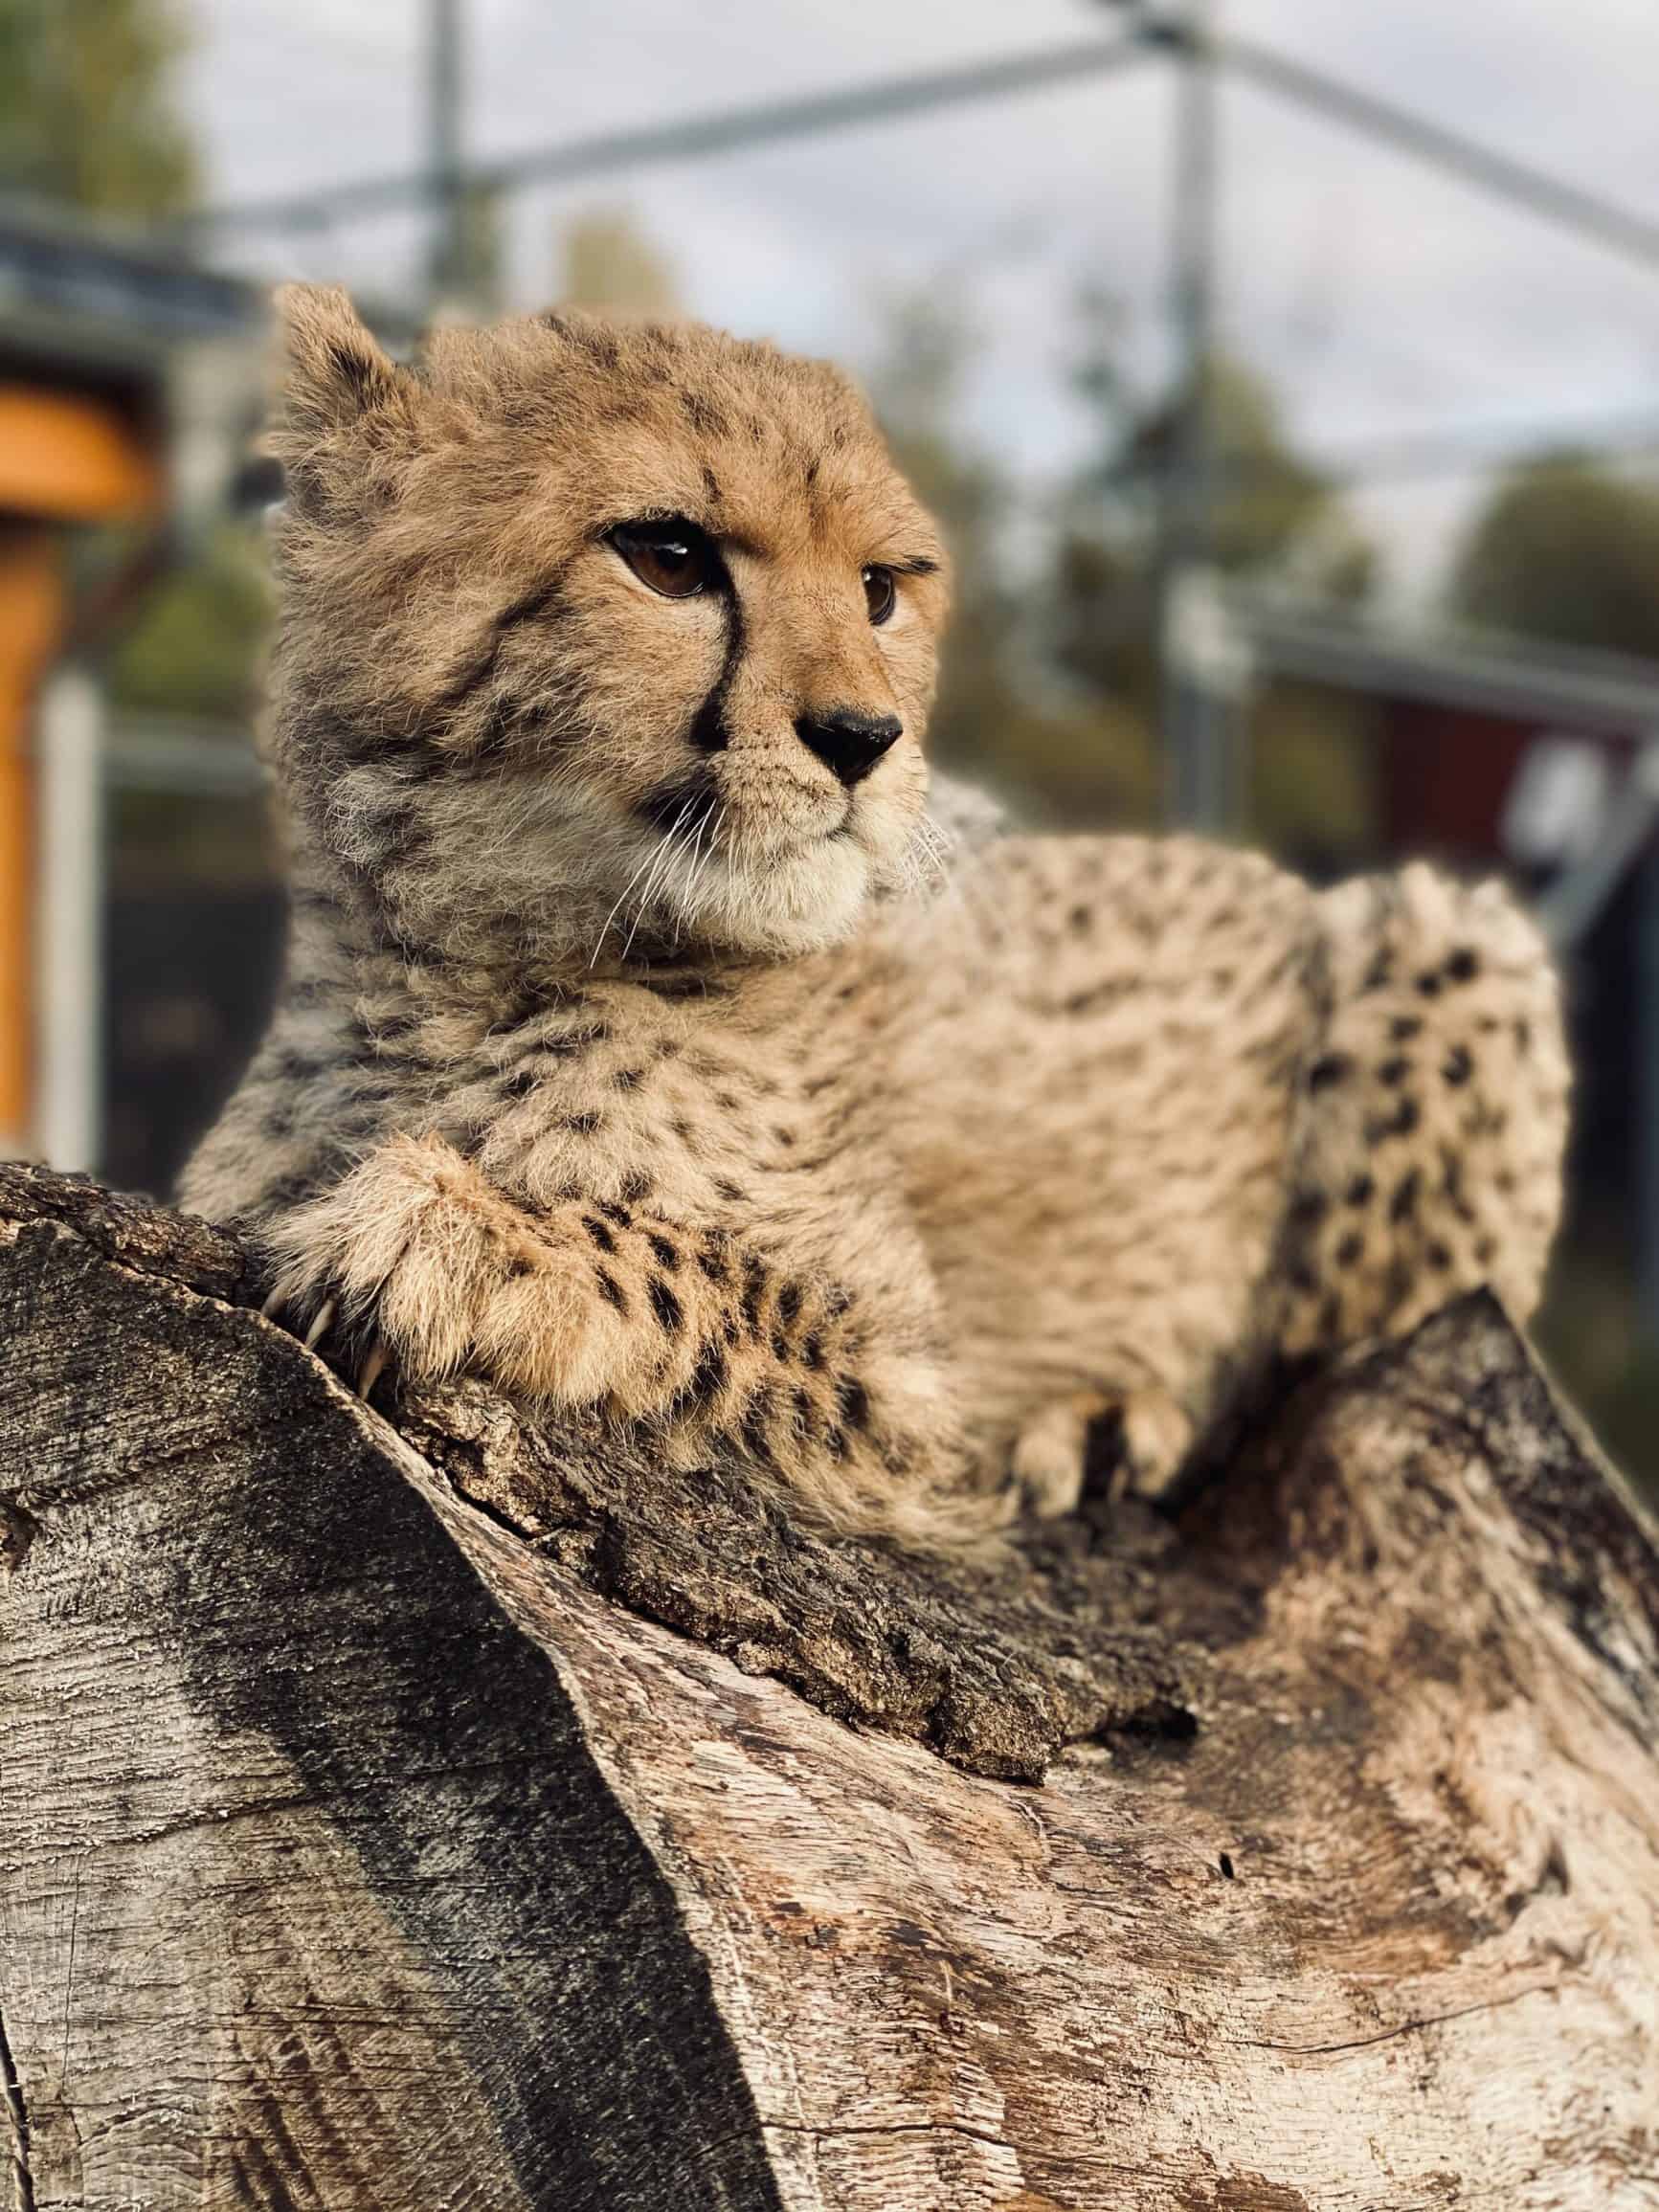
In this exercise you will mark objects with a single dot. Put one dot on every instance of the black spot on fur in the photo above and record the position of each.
(711, 1258)
(1406, 1026)
(1350, 1250)
(1429, 983)
(753, 1292)
(1403, 1203)
(635, 1186)
(780, 1349)
(1463, 967)
(293, 1066)
(1361, 1191)
(1330, 1069)
(582, 1125)
(707, 1379)
(628, 1078)
(756, 1420)
(1400, 1124)
(1394, 1072)
(708, 1376)
(598, 1232)
(669, 1311)
(732, 1193)
(1380, 973)
(615, 1213)
(1458, 1065)
(789, 1304)
(610, 1291)
(812, 1351)
(666, 1251)
(1438, 1256)
(688, 986)
(1102, 995)
(852, 1402)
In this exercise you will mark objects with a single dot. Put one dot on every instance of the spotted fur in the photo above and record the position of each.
(628, 1056)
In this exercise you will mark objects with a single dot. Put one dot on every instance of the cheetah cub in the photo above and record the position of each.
(650, 1044)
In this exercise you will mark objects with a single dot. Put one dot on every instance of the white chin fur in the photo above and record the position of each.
(787, 903)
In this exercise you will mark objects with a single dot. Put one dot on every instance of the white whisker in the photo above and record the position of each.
(665, 855)
(651, 853)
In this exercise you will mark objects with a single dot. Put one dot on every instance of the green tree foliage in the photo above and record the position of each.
(1568, 550)
(1006, 715)
(87, 106)
(195, 646)
(1050, 682)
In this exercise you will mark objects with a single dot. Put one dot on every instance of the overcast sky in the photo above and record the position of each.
(1386, 301)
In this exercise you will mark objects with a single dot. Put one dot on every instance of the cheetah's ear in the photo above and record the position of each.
(335, 371)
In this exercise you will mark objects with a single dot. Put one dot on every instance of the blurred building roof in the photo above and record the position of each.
(79, 295)
(1482, 671)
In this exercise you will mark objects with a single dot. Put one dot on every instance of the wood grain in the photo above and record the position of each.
(494, 1825)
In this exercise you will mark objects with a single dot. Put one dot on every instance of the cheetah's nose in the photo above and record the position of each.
(848, 742)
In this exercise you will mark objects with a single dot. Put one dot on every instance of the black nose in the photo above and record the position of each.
(847, 740)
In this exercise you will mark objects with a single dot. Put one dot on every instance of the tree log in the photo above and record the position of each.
(456, 1814)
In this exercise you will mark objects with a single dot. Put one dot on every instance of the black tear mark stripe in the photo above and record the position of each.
(708, 731)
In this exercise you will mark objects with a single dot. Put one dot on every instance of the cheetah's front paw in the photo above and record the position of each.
(414, 1257)
(1051, 1453)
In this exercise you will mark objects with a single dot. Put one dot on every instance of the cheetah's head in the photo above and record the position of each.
(602, 635)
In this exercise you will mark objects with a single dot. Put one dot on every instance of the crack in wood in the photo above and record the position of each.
(1403, 2027)
(18, 1530)
(16, 2127)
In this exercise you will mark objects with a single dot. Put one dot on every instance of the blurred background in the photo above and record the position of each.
(1287, 377)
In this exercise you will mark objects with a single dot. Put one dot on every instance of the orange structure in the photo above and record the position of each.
(64, 458)
(104, 349)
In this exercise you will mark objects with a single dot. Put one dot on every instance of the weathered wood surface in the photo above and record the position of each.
(493, 1824)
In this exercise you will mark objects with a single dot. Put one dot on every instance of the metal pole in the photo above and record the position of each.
(69, 934)
(1194, 715)
(447, 261)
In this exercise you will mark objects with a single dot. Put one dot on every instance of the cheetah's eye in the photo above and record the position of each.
(672, 555)
(880, 594)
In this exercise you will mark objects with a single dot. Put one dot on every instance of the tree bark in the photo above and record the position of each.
(460, 1814)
